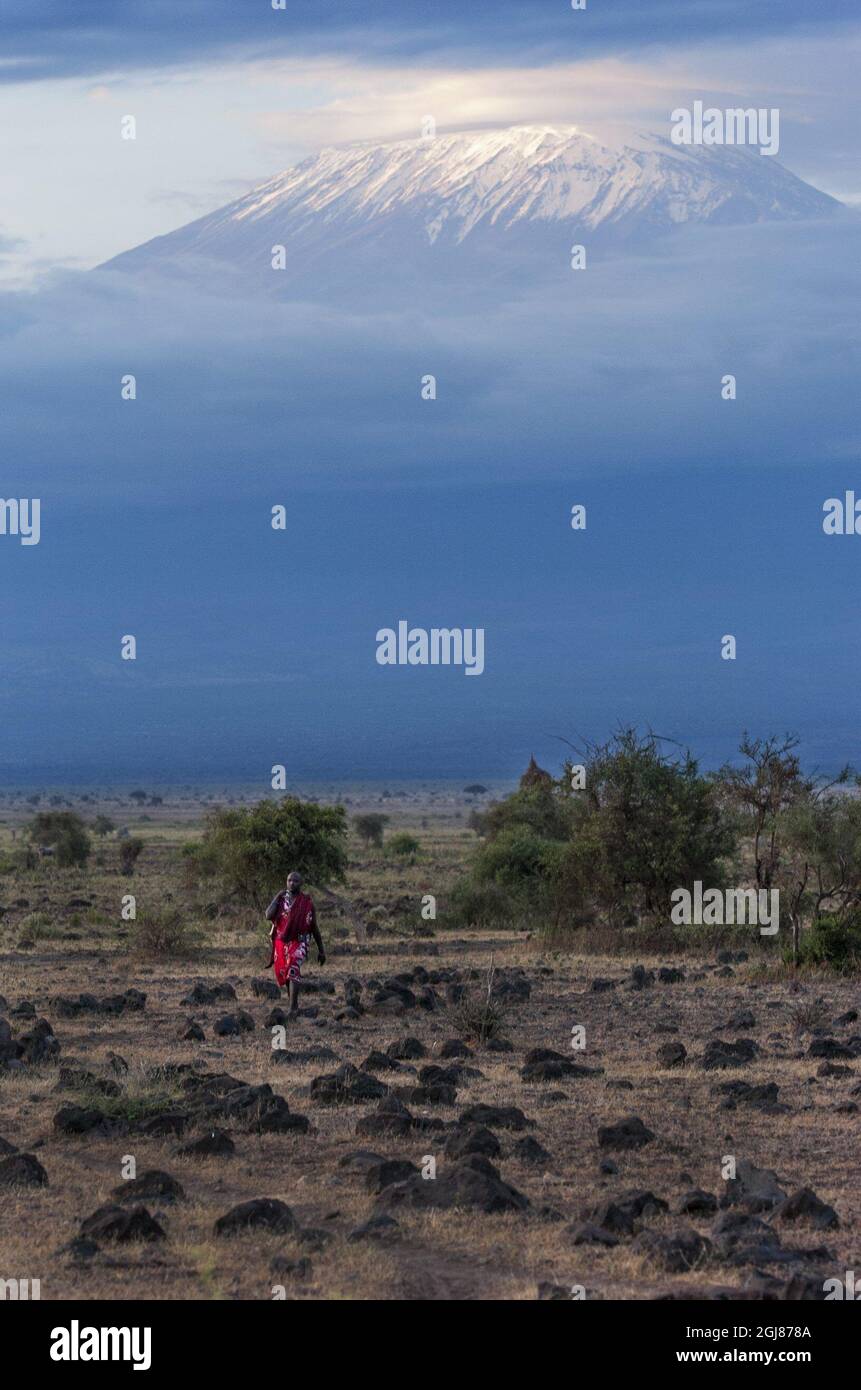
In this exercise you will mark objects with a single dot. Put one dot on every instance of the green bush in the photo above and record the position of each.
(130, 851)
(403, 845)
(164, 934)
(370, 827)
(248, 852)
(36, 927)
(66, 832)
(832, 941)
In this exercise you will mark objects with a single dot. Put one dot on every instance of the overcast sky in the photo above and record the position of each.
(257, 648)
(226, 94)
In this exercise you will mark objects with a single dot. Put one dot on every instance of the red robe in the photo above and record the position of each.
(293, 927)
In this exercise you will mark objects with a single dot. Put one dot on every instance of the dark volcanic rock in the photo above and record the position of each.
(471, 1139)
(641, 978)
(256, 1109)
(674, 1252)
(829, 1048)
(472, 1182)
(585, 1233)
(215, 1144)
(261, 1213)
(756, 1189)
(22, 1170)
(380, 1227)
(528, 1150)
(379, 1061)
(762, 1097)
(284, 1268)
(388, 1171)
(39, 1044)
(360, 1160)
(113, 1222)
(209, 994)
(153, 1184)
(494, 1116)
(630, 1133)
(132, 1001)
(265, 989)
(163, 1123)
(79, 1119)
(406, 1050)
(435, 1093)
(742, 1018)
(543, 1064)
(391, 1117)
(672, 1054)
(698, 1203)
(619, 1214)
(453, 1047)
(720, 1054)
(347, 1086)
(833, 1070)
(804, 1205)
(77, 1079)
(232, 1025)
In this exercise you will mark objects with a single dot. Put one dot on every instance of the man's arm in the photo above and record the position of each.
(318, 940)
(274, 907)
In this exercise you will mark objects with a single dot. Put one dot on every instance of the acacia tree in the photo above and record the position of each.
(821, 867)
(250, 851)
(803, 833)
(66, 832)
(369, 827)
(645, 822)
(760, 791)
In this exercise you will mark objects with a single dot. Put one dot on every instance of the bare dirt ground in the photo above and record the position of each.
(445, 1244)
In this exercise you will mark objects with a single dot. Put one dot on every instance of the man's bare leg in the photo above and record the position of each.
(294, 998)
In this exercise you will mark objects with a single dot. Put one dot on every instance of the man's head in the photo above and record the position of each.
(294, 882)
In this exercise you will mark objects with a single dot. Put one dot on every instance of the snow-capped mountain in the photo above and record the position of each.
(510, 188)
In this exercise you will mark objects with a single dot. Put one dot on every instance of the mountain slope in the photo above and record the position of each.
(505, 188)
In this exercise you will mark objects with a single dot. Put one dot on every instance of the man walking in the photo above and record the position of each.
(294, 922)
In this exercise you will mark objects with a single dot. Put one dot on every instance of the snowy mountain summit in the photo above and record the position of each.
(521, 187)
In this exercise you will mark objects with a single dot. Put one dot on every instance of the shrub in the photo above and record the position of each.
(130, 851)
(36, 927)
(403, 845)
(369, 827)
(480, 1014)
(248, 852)
(66, 832)
(832, 941)
(164, 934)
